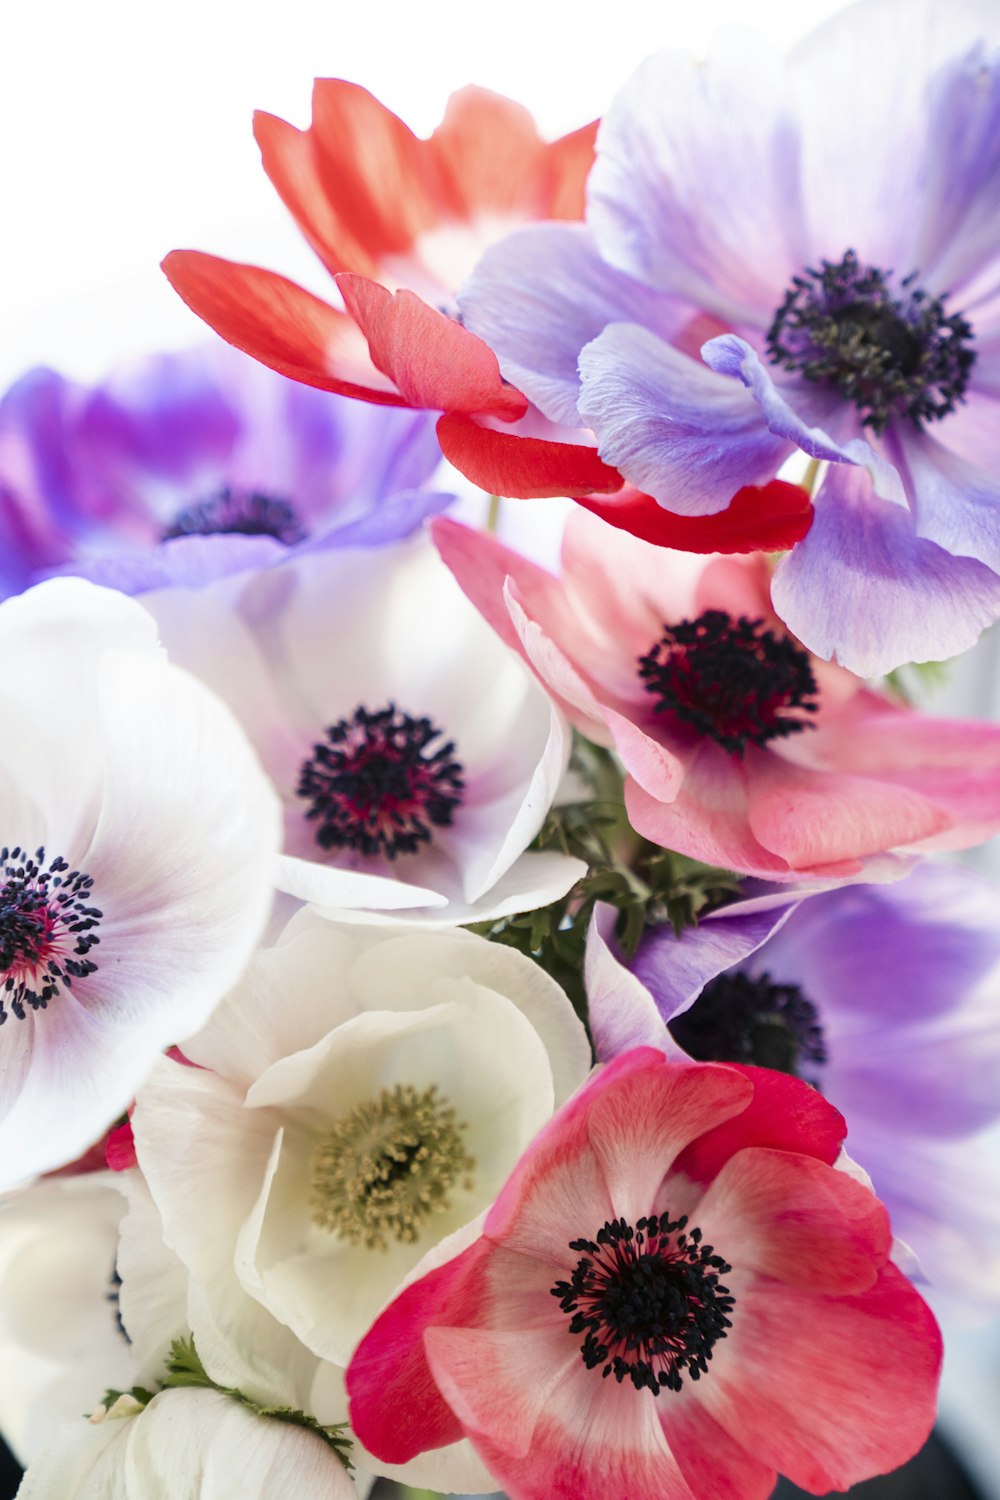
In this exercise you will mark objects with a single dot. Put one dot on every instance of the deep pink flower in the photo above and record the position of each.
(675, 1296)
(740, 749)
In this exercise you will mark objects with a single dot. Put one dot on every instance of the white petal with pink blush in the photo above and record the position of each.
(138, 836)
(414, 755)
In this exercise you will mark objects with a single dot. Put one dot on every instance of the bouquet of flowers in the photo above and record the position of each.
(485, 1018)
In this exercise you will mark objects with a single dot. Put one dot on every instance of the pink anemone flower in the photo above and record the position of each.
(675, 1296)
(740, 748)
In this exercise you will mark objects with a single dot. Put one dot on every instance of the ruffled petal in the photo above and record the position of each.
(956, 504)
(674, 428)
(685, 205)
(784, 1114)
(864, 589)
(759, 518)
(523, 468)
(397, 1409)
(733, 356)
(542, 293)
(430, 358)
(797, 1220)
(277, 322)
(799, 1371)
(569, 1434)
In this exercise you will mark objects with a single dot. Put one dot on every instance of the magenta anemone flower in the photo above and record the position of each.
(740, 749)
(676, 1296)
(839, 252)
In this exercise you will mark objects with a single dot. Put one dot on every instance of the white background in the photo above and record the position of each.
(125, 131)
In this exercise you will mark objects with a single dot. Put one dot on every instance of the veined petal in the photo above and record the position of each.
(672, 427)
(864, 589)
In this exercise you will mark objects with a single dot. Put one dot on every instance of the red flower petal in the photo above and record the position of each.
(433, 360)
(358, 181)
(523, 468)
(759, 518)
(277, 322)
(396, 1408)
(784, 1114)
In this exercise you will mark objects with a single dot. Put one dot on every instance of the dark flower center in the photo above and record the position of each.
(739, 1018)
(734, 680)
(648, 1301)
(894, 352)
(238, 512)
(114, 1297)
(380, 782)
(46, 929)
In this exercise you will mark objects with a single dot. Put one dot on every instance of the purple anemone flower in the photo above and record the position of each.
(776, 259)
(188, 466)
(883, 997)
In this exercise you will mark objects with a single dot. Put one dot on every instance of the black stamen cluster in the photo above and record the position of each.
(894, 354)
(237, 512)
(377, 786)
(736, 681)
(648, 1302)
(42, 913)
(746, 1019)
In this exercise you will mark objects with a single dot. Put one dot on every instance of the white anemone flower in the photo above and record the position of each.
(414, 755)
(62, 1341)
(186, 1445)
(360, 1098)
(138, 838)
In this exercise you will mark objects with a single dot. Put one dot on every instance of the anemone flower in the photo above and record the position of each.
(137, 870)
(885, 999)
(180, 1446)
(840, 269)
(62, 1340)
(337, 1145)
(414, 757)
(207, 452)
(383, 209)
(675, 1296)
(739, 748)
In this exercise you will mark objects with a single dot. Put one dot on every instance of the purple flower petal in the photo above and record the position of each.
(870, 154)
(733, 356)
(696, 185)
(862, 586)
(956, 505)
(676, 430)
(675, 969)
(539, 295)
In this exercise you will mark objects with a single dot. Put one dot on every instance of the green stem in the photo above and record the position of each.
(492, 520)
(809, 477)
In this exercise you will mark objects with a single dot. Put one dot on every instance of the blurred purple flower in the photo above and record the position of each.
(205, 451)
(887, 998)
(842, 244)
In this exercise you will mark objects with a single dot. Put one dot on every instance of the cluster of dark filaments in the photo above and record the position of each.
(114, 1297)
(735, 680)
(648, 1302)
(47, 929)
(380, 782)
(747, 1018)
(235, 512)
(894, 352)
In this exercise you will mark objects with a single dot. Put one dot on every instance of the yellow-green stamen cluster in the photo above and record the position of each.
(388, 1166)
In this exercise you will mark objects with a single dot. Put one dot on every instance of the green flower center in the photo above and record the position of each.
(388, 1167)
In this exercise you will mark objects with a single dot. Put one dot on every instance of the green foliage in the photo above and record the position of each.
(185, 1369)
(646, 884)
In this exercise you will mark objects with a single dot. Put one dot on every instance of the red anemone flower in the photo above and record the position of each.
(676, 1296)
